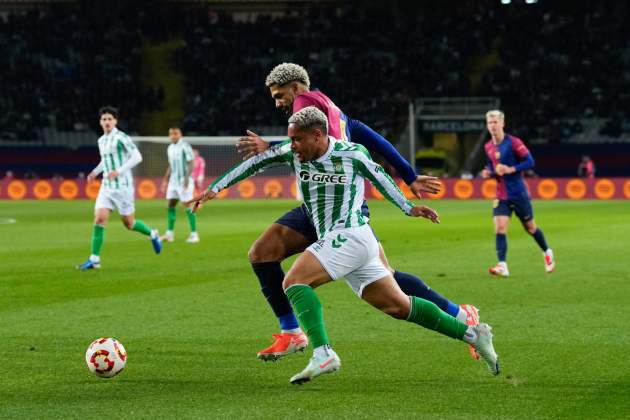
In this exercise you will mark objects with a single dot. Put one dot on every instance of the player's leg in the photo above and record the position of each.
(171, 217)
(187, 195)
(385, 295)
(289, 235)
(102, 210)
(101, 216)
(525, 213)
(124, 200)
(413, 286)
(501, 219)
(305, 275)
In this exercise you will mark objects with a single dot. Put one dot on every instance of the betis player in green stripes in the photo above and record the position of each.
(118, 156)
(331, 176)
(178, 183)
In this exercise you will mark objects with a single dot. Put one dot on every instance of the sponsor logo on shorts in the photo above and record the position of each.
(338, 241)
(321, 178)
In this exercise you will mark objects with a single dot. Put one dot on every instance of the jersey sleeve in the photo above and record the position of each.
(526, 160)
(276, 155)
(383, 182)
(373, 141)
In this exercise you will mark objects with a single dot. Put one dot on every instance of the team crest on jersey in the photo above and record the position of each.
(322, 178)
(497, 155)
(338, 167)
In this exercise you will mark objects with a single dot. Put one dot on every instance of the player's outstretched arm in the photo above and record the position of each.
(251, 145)
(374, 142)
(280, 154)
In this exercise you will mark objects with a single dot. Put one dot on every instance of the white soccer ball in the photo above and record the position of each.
(106, 357)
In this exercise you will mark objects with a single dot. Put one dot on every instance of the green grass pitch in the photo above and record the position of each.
(193, 318)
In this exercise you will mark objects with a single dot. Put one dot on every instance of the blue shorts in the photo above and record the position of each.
(298, 220)
(521, 206)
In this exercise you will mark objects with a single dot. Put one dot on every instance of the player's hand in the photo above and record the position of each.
(502, 169)
(163, 185)
(112, 175)
(198, 201)
(91, 177)
(251, 145)
(426, 212)
(424, 183)
(485, 174)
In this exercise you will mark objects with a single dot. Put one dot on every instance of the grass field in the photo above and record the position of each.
(192, 319)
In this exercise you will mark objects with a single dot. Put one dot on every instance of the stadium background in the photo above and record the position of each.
(201, 65)
(192, 319)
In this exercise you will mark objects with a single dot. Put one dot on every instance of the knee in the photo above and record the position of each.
(501, 230)
(531, 229)
(128, 224)
(289, 281)
(397, 311)
(264, 252)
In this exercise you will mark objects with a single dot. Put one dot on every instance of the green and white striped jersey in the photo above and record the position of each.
(179, 154)
(333, 186)
(116, 149)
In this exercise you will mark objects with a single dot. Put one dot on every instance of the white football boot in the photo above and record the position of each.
(193, 238)
(484, 348)
(326, 361)
(169, 236)
(500, 269)
(550, 262)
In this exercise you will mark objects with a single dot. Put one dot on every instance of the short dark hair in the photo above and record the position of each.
(175, 127)
(107, 109)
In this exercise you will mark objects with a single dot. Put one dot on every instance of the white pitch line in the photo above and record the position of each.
(7, 221)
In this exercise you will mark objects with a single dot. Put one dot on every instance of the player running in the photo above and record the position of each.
(289, 85)
(507, 159)
(179, 184)
(331, 176)
(118, 156)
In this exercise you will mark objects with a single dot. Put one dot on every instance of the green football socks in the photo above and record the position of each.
(309, 312)
(140, 226)
(98, 234)
(428, 315)
(192, 220)
(171, 215)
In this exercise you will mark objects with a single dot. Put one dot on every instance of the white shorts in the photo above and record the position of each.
(121, 200)
(177, 192)
(352, 253)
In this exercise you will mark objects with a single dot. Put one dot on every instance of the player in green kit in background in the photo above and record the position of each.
(179, 184)
(331, 176)
(118, 156)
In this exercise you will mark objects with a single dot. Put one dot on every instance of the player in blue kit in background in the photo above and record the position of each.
(508, 157)
(289, 86)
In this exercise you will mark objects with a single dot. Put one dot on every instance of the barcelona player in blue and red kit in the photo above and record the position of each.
(289, 86)
(508, 157)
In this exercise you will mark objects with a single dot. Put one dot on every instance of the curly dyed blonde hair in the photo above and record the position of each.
(286, 73)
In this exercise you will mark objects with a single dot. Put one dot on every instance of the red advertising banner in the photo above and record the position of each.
(285, 187)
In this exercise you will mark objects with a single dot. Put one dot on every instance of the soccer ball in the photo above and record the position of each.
(106, 357)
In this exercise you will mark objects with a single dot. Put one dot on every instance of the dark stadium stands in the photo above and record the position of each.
(561, 70)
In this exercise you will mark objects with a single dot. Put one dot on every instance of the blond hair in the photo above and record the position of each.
(495, 113)
(310, 117)
(286, 73)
